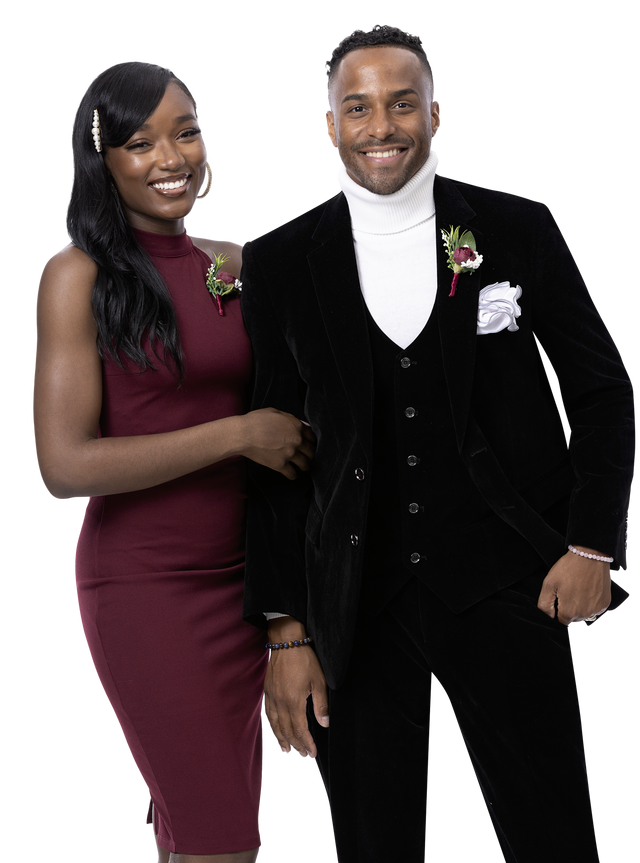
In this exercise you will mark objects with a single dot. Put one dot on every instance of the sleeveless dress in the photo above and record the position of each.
(160, 578)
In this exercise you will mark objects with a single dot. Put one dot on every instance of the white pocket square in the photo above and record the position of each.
(498, 308)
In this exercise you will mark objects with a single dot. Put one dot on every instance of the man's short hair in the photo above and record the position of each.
(380, 35)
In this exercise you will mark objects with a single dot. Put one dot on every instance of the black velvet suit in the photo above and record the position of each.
(308, 324)
(306, 318)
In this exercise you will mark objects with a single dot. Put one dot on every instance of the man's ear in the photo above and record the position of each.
(331, 128)
(435, 117)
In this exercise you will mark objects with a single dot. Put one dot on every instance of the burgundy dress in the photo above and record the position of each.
(160, 576)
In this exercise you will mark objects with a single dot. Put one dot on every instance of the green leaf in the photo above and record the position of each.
(467, 239)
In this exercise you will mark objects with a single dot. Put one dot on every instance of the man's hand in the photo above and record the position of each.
(581, 587)
(292, 676)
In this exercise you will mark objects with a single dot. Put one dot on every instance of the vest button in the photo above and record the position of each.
(415, 557)
(413, 460)
(413, 508)
(405, 362)
(359, 473)
(410, 412)
(354, 539)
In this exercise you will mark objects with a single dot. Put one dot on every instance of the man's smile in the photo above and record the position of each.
(384, 157)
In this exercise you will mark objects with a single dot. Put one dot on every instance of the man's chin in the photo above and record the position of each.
(383, 185)
(378, 185)
(381, 182)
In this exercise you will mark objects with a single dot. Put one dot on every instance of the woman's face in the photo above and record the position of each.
(160, 169)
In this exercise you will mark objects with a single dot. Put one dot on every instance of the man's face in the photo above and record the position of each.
(382, 116)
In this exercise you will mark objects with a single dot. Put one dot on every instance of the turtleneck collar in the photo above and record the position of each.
(390, 214)
(164, 245)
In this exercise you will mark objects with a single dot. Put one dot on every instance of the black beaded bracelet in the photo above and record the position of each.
(286, 644)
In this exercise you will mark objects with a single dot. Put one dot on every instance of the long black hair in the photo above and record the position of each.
(129, 299)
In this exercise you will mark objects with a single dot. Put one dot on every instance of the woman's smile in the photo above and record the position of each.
(172, 186)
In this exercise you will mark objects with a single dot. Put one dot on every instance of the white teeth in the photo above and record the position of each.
(165, 186)
(384, 154)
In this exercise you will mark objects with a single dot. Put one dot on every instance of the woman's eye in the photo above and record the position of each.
(137, 145)
(189, 133)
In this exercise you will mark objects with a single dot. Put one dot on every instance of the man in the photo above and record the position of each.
(445, 528)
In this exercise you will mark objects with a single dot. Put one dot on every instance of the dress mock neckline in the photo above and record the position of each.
(164, 245)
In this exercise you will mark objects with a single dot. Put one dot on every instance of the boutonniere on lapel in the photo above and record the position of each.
(221, 285)
(461, 254)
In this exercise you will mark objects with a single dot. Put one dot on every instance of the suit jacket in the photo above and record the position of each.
(305, 315)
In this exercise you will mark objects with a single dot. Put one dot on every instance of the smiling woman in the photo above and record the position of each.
(161, 167)
(140, 403)
(138, 147)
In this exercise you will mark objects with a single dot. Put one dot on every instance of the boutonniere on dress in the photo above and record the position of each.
(498, 308)
(220, 284)
(461, 254)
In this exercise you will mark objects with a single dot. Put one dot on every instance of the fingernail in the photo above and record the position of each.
(284, 748)
(324, 721)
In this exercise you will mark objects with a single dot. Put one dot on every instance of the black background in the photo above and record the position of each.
(526, 107)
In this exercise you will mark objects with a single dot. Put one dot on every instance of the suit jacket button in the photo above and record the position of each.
(412, 460)
(354, 539)
(415, 557)
(359, 473)
(410, 412)
(405, 362)
(413, 508)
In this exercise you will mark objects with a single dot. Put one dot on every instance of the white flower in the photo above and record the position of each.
(498, 308)
(472, 265)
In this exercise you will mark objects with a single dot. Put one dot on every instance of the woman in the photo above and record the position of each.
(140, 398)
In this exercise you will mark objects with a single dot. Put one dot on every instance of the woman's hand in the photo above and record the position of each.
(277, 440)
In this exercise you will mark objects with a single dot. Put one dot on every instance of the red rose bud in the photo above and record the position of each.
(462, 254)
(227, 278)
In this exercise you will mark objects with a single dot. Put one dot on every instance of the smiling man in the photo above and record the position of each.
(381, 127)
(445, 528)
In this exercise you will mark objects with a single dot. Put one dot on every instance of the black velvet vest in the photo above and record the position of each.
(423, 500)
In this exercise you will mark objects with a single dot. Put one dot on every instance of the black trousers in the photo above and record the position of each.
(507, 670)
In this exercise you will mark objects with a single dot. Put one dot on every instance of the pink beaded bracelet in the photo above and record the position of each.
(591, 556)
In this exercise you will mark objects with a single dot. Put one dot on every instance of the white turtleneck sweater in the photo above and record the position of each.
(394, 237)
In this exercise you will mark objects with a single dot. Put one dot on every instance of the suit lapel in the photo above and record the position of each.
(335, 276)
(457, 315)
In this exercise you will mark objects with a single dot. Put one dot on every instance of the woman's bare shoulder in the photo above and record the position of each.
(69, 268)
(232, 251)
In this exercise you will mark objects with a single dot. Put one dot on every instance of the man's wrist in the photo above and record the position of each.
(285, 629)
(590, 553)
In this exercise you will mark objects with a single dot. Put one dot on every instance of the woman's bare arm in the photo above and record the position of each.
(74, 461)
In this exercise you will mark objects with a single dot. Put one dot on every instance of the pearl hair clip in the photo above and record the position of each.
(95, 131)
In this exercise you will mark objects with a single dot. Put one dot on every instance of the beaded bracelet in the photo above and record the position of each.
(591, 556)
(286, 644)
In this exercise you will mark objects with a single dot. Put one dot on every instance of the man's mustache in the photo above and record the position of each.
(388, 142)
